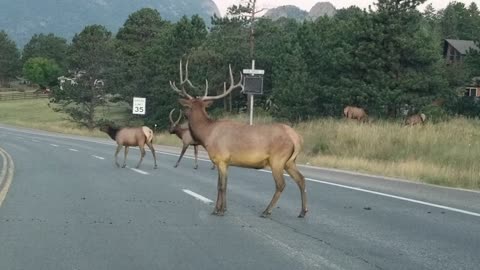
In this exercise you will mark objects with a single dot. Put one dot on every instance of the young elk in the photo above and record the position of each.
(127, 137)
(183, 133)
(230, 143)
(357, 113)
(415, 119)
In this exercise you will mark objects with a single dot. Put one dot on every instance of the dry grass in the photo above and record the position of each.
(443, 154)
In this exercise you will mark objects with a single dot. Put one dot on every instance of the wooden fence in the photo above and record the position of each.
(20, 95)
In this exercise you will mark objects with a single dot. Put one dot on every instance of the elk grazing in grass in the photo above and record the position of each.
(415, 119)
(230, 143)
(357, 113)
(183, 133)
(138, 136)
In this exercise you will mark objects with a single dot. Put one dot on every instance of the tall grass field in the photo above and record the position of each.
(445, 154)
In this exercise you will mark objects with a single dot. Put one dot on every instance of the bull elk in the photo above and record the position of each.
(183, 133)
(231, 143)
(415, 119)
(357, 113)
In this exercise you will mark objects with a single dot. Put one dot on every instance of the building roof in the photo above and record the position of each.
(462, 46)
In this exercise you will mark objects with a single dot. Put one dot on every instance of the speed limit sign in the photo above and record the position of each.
(138, 105)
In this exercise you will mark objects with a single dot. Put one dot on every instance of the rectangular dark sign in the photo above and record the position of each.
(253, 85)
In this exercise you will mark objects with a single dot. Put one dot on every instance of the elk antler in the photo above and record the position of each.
(184, 93)
(171, 120)
(182, 82)
(226, 92)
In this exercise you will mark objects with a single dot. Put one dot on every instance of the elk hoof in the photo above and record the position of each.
(303, 213)
(195, 167)
(175, 166)
(124, 165)
(218, 213)
(213, 168)
(265, 214)
(155, 167)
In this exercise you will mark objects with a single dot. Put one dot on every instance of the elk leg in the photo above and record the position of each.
(142, 155)
(119, 147)
(153, 153)
(125, 157)
(221, 187)
(195, 151)
(213, 166)
(279, 187)
(184, 148)
(293, 171)
(217, 202)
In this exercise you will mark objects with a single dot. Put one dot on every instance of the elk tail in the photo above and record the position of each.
(297, 144)
(148, 134)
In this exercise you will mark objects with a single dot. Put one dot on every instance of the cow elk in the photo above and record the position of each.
(231, 143)
(415, 119)
(359, 114)
(138, 136)
(183, 133)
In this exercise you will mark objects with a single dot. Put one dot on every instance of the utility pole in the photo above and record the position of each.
(254, 12)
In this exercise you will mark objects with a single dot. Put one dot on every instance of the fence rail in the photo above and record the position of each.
(24, 95)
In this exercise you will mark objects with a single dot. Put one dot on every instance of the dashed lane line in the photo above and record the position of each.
(198, 196)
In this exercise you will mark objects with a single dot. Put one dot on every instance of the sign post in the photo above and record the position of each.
(253, 85)
(138, 105)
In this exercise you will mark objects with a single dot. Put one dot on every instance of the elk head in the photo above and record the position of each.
(173, 124)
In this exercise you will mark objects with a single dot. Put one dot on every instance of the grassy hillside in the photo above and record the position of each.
(444, 154)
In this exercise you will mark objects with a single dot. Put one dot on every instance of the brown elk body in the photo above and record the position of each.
(356, 113)
(183, 133)
(138, 136)
(230, 143)
(415, 119)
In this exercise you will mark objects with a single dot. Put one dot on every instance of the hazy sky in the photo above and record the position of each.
(308, 4)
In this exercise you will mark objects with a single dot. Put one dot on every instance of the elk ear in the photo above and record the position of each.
(208, 103)
(185, 102)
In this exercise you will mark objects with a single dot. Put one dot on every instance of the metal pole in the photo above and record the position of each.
(251, 110)
(250, 97)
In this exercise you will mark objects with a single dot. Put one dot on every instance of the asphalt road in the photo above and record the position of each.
(69, 207)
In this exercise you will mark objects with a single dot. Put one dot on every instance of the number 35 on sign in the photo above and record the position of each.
(138, 105)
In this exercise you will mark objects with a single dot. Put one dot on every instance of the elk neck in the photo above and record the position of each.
(112, 132)
(179, 131)
(200, 125)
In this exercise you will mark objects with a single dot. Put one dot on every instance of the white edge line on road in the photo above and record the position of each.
(7, 173)
(308, 179)
(97, 157)
(390, 196)
(198, 196)
(54, 145)
(176, 155)
(73, 150)
(139, 171)
(399, 198)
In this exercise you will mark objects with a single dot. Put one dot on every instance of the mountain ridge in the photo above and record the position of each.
(21, 19)
(290, 11)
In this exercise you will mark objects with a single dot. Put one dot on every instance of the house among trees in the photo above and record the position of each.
(454, 50)
(474, 89)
